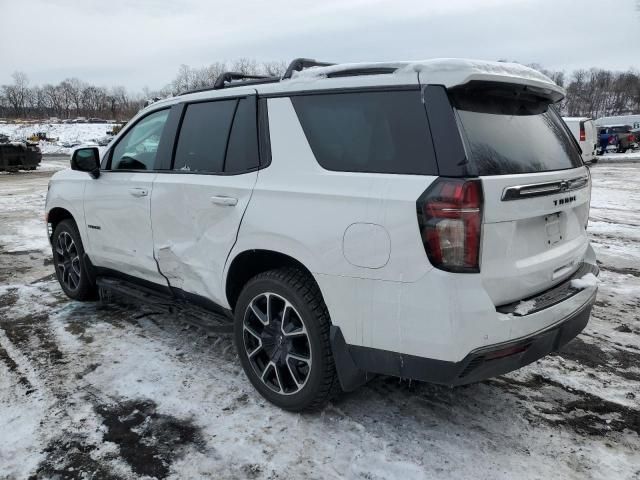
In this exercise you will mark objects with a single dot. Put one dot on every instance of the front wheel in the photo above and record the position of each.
(282, 336)
(68, 260)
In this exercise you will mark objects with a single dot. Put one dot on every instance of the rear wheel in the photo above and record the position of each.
(68, 259)
(282, 338)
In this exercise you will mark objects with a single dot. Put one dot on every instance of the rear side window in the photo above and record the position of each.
(242, 152)
(203, 136)
(377, 132)
(510, 136)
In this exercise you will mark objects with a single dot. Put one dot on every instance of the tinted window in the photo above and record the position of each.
(242, 152)
(138, 148)
(507, 136)
(203, 136)
(381, 132)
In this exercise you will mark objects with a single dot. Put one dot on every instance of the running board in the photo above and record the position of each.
(194, 315)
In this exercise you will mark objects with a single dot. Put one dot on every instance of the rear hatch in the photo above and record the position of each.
(536, 189)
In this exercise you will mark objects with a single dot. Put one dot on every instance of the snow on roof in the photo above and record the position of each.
(467, 66)
(441, 71)
(445, 71)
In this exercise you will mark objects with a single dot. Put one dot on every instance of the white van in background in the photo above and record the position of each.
(586, 133)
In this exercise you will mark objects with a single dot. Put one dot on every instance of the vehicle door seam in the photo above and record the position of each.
(153, 239)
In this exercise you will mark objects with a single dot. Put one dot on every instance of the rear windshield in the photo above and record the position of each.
(509, 136)
(375, 132)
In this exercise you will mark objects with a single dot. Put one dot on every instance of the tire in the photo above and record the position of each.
(68, 260)
(293, 370)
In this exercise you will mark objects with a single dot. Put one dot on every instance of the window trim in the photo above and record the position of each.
(264, 137)
(356, 89)
(109, 153)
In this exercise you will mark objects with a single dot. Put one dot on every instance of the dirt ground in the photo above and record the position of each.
(110, 390)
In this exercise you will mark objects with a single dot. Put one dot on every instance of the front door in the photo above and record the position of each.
(118, 203)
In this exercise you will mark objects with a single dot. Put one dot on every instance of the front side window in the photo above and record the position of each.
(203, 136)
(138, 149)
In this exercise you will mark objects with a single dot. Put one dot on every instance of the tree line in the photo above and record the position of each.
(590, 93)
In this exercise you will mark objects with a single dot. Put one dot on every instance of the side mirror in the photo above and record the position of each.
(86, 160)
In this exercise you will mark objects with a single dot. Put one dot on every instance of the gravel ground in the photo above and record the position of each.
(110, 390)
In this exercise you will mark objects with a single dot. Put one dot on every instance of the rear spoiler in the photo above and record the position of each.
(540, 91)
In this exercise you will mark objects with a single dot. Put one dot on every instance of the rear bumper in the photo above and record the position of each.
(355, 363)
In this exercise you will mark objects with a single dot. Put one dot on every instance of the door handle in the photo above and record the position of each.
(139, 192)
(225, 201)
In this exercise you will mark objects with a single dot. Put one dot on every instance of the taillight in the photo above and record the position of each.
(583, 135)
(631, 138)
(612, 139)
(450, 220)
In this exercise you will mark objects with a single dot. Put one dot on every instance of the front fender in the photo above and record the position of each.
(66, 191)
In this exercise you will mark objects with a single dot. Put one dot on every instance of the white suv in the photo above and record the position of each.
(418, 219)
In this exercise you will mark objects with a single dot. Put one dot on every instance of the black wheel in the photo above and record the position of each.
(282, 336)
(68, 259)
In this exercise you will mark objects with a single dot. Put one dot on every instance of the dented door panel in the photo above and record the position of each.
(194, 228)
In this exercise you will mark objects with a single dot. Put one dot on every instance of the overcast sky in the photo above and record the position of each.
(139, 43)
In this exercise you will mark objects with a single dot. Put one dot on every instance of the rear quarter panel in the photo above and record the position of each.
(302, 210)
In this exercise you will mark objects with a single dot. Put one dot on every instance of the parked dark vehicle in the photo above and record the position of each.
(636, 134)
(607, 139)
(624, 138)
(16, 156)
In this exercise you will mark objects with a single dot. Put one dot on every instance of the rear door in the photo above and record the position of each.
(536, 191)
(196, 208)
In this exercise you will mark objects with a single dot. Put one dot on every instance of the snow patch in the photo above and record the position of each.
(450, 71)
(508, 69)
(68, 135)
(589, 280)
(525, 307)
(620, 157)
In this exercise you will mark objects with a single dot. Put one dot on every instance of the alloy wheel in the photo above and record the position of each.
(68, 261)
(276, 342)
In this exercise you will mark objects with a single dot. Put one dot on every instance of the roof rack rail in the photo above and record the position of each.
(228, 77)
(300, 64)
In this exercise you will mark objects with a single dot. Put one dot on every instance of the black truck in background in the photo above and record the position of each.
(16, 156)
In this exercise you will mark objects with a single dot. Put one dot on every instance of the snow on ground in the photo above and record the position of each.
(633, 156)
(111, 390)
(84, 133)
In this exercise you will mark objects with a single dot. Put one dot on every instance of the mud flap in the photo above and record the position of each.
(350, 376)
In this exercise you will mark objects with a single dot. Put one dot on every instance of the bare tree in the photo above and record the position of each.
(17, 93)
(274, 68)
(594, 92)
